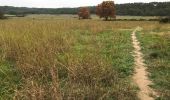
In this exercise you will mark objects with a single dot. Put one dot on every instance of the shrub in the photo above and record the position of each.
(20, 15)
(164, 20)
(153, 19)
(2, 15)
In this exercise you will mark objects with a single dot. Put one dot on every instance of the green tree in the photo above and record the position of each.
(1, 15)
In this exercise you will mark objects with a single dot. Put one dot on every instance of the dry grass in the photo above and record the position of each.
(67, 59)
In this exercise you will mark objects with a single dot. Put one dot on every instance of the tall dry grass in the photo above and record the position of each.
(42, 52)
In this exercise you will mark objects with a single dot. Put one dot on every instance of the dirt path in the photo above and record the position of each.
(141, 75)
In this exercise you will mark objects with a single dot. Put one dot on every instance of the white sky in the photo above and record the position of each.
(63, 3)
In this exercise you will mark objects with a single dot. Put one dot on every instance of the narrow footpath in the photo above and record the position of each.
(140, 76)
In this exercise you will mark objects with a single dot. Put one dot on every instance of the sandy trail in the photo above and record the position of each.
(141, 75)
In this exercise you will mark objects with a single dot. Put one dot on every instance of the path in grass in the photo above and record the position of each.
(141, 75)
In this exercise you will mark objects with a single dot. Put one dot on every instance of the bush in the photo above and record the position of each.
(20, 15)
(1, 15)
(141, 19)
(153, 20)
(165, 20)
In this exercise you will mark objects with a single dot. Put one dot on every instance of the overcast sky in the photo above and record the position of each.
(62, 3)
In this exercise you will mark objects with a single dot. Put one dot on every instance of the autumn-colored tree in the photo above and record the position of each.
(106, 10)
(84, 13)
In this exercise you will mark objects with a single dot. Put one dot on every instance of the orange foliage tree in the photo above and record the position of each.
(106, 10)
(84, 13)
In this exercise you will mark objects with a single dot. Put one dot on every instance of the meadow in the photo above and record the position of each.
(156, 47)
(48, 58)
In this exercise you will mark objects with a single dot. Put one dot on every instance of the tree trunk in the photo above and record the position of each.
(106, 18)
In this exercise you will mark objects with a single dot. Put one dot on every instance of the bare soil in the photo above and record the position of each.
(141, 75)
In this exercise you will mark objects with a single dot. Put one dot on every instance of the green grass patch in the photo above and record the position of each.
(157, 55)
(113, 49)
(9, 80)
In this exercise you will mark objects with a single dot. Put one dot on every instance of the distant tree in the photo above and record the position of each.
(106, 10)
(84, 13)
(12, 12)
(1, 15)
(164, 19)
(21, 14)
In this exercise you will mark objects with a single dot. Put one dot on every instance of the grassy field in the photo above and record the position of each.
(48, 58)
(75, 16)
(156, 47)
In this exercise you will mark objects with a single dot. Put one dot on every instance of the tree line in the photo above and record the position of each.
(132, 9)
